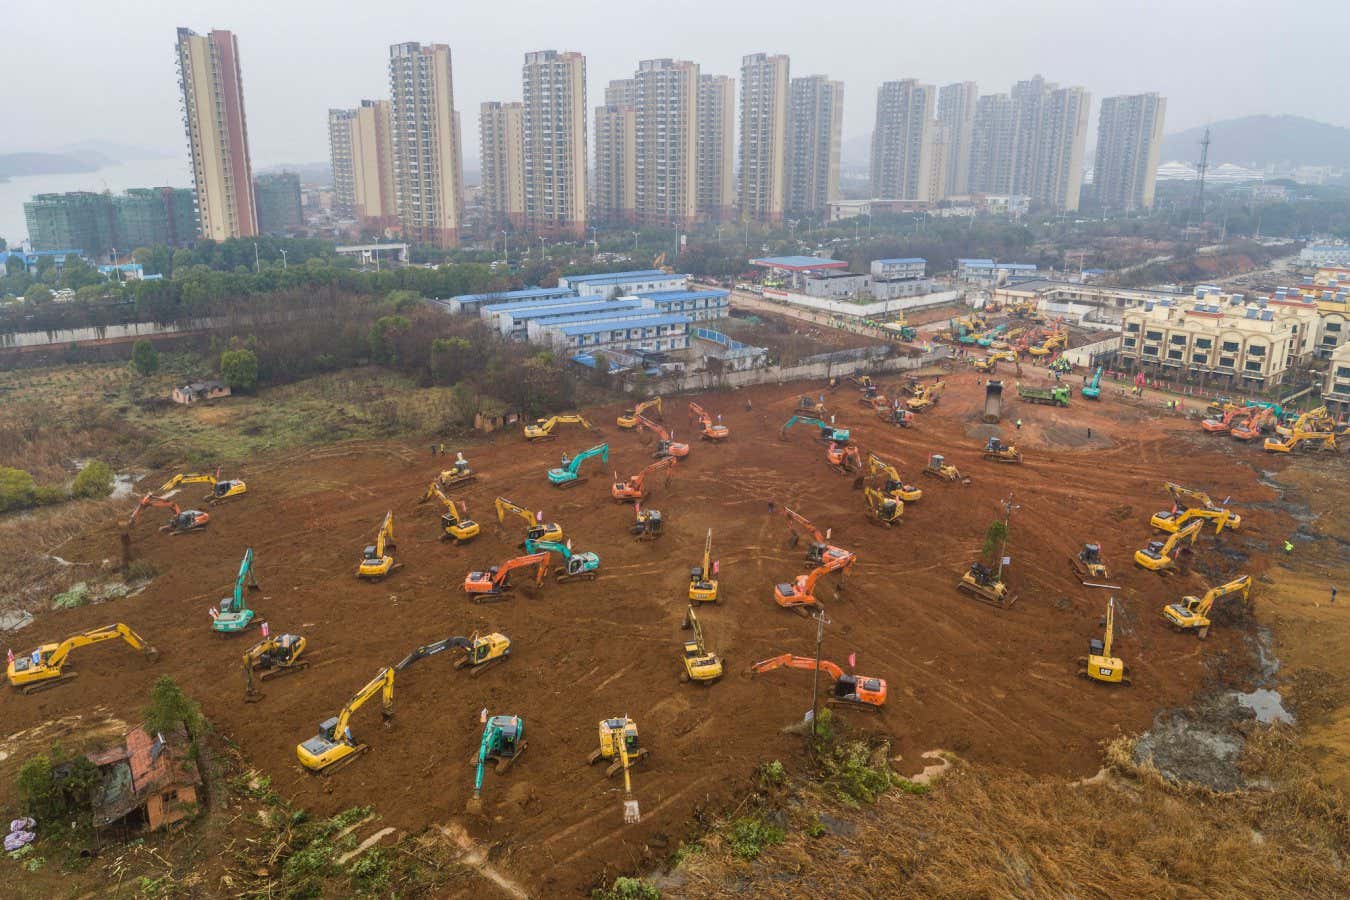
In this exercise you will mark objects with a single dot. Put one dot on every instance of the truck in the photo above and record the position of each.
(1054, 396)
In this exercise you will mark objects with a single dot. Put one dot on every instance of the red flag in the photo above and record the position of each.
(264, 629)
(213, 612)
(717, 566)
(539, 516)
(827, 533)
(852, 660)
(11, 656)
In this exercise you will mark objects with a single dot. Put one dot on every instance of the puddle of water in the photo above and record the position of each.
(1268, 706)
(123, 485)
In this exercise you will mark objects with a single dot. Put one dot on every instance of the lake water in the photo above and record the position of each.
(174, 172)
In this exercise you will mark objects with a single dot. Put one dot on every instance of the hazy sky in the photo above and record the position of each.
(78, 69)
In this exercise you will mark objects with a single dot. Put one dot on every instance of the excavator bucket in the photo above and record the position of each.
(631, 814)
(474, 806)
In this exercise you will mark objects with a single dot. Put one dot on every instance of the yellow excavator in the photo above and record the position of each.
(376, 560)
(334, 747)
(1099, 664)
(700, 664)
(703, 579)
(1157, 556)
(1192, 613)
(221, 488)
(894, 487)
(1313, 420)
(628, 419)
(1317, 440)
(619, 746)
(882, 510)
(455, 523)
(536, 528)
(1189, 505)
(44, 667)
(272, 657)
(542, 429)
(926, 397)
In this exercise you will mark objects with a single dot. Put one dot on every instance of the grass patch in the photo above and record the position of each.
(627, 889)
(749, 837)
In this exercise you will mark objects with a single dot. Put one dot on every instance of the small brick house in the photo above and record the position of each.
(146, 780)
(200, 390)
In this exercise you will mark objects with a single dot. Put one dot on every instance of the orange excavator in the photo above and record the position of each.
(488, 586)
(849, 690)
(844, 458)
(666, 445)
(1226, 422)
(182, 520)
(712, 430)
(635, 488)
(800, 592)
(1254, 427)
(818, 550)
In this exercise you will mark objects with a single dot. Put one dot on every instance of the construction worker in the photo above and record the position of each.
(1288, 547)
(1019, 424)
(442, 448)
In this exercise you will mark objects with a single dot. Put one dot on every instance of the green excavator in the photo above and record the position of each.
(568, 474)
(234, 615)
(575, 564)
(827, 432)
(503, 742)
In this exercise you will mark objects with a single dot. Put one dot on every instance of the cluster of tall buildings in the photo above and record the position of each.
(932, 143)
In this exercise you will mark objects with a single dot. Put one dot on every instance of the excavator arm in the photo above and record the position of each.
(97, 636)
(600, 450)
(562, 550)
(538, 560)
(385, 535)
(1190, 532)
(382, 683)
(798, 662)
(505, 506)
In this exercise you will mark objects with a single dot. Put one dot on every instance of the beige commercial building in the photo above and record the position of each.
(903, 140)
(428, 170)
(1129, 141)
(1336, 386)
(217, 132)
(553, 89)
(374, 196)
(1221, 338)
(814, 138)
(340, 161)
(501, 131)
(762, 184)
(956, 112)
(666, 160)
(717, 147)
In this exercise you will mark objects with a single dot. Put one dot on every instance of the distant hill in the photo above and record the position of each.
(114, 151)
(12, 164)
(1262, 140)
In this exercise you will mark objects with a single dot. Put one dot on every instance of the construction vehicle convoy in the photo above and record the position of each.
(1099, 664)
(861, 691)
(502, 744)
(234, 614)
(628, 419)
(647, 523)
(536, 529)
(458, 473)
(455, 523)
(542, 429)
(489, 585)
(575, 565)
(894, 486)
(272, 657)
(1189, 505)
(1158, 555)
(376, 559)
(569, 473)
(635, 488)
(1093, 389)
(703, 579)
(1192, 613)
(181, 521)
(334, 747)
(700, 664)
(881, 509)
(1088, 565)
(45, 667)
(221, 488)
(938, 467)
(827, 433)
(1051, 396)
(800, 592)
(712, 430)
(986, 585)
(998, 451)
(666, 445)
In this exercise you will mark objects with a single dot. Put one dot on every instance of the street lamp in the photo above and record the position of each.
(595, 244)
(257, 266)
(283, 259)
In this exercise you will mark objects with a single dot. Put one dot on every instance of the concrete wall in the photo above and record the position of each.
(704, 381)
(858, 310)
(1091, 354)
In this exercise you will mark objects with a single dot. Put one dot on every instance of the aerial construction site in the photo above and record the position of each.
(658, 576)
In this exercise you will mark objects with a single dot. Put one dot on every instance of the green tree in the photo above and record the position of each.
(994, 536)
(18, 490)
(451, 359)
(170, 707)
(145, 358)
(239, 368)
(402, 301)
(382, 338)
(156, 260)
(94, 480)
(76, 273)
(38, 294)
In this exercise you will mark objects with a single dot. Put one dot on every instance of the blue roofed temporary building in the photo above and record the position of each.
(657, 333)
(469, 303)
(607, 285)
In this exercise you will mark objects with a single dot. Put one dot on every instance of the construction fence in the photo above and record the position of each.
(803, 371)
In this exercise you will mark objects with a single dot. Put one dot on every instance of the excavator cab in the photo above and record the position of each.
(613, 733)
(649, 525)
(870, 692)
(185, 521)
(483, 651)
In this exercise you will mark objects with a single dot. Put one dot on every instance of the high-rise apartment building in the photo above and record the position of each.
(361, 151)
(814, 137)
(716, 147)
(554, 99)
(666, 170)
(621, 92)
(1129, 139)
(992, 146)
(764, 106)
(615, 164)
(277, 195)
(213, 112)
(1049, 136)
(956, 111)
(98, 224)
(428, 176)
(903, 140)
(937, 159)
(501, 128)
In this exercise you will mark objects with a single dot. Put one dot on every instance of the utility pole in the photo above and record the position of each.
(821, 622)
(257, 266)
(1008, 507)
(1200, 170)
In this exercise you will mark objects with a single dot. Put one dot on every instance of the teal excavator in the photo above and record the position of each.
(567, 475)
(575, 565)
(827, 432)
(503, 741)
(1093, 389)
(234, 615)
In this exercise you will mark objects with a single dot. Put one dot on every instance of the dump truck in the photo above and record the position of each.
(1054, 396)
